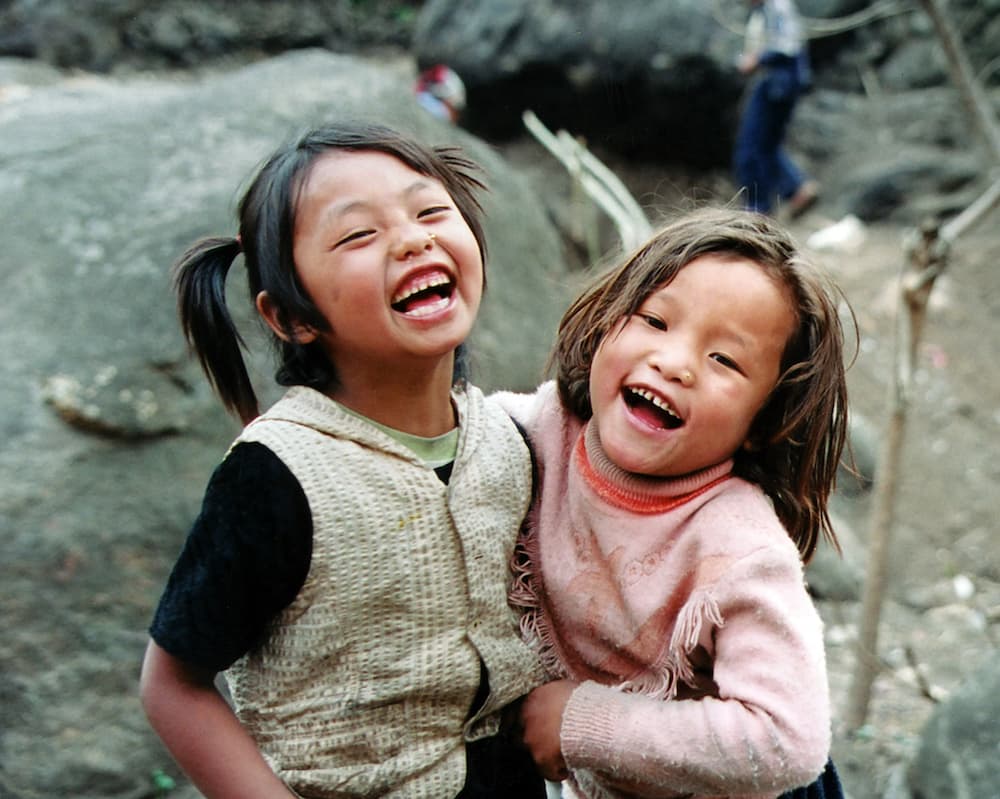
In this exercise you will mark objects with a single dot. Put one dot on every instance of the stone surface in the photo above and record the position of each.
(109, 428)
(958, 750)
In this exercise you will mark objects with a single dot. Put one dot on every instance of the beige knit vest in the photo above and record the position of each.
(364, 684)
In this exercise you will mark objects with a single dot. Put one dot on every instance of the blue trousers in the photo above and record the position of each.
(761, 166)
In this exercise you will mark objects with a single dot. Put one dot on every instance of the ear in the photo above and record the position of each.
(301, 334)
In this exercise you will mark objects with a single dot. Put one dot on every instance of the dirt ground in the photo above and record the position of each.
(944, 567)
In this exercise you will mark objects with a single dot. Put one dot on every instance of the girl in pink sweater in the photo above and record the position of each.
(686, 454)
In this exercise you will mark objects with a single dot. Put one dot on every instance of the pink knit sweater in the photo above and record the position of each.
(680, 606)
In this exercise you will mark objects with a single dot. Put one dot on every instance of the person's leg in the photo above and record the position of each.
(791, 184)
(758, 164)
(790, 177)
(748, 157)
(800, 191)
(782, 174)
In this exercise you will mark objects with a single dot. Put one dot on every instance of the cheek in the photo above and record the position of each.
(479, 271)
(605, 384)
(599, 370)
(464, 244)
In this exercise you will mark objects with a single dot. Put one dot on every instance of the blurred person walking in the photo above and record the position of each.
(775, 53)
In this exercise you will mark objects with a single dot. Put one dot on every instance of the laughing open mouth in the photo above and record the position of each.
(652, 409)
(424, 296)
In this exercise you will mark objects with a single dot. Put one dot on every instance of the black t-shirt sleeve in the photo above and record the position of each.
(245, 559)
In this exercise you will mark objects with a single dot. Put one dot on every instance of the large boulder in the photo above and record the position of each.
(647, 82)
(957, 757)
(651, 80)
(108, 428)
(101, 35)
(902, 156)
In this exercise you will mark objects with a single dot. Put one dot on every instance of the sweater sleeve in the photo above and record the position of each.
(765, 730)
(522, 408)
(245, 559)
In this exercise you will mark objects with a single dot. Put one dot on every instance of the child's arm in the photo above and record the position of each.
(202, 732)
(753, 44)
(765, 727)
(245, 559)
(524, 408)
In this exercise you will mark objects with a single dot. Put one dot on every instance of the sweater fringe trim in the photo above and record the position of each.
(662, 682)
(525, 596)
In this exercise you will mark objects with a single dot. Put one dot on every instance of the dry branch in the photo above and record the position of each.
(599, 182)
(975, 99)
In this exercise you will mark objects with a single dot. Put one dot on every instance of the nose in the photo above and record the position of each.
(674, 366)
(413, 240)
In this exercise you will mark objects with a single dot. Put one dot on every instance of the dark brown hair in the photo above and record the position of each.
(798, 437)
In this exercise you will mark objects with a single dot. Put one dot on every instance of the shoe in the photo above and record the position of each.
(803, 199)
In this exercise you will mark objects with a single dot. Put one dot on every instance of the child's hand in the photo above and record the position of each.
(541, 718)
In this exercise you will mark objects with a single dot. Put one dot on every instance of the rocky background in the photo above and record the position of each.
(127, 129)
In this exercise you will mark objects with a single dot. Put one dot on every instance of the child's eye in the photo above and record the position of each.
(354, 235)
(432, 210)
(726, 361)
(654, 321)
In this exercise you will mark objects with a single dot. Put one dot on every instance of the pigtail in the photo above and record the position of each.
(200, 286)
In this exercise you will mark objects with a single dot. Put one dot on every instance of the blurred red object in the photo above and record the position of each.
(440, 90)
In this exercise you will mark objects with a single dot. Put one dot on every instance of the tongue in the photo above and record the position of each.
(650, 414)
(647, 412)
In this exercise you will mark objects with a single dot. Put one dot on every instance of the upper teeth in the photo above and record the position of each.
(421, 285)
(657, 401)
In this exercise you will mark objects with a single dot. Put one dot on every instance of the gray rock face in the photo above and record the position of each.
(958, 748)
(99, 35)
(109, 429)
(617, 73)
(905, 156)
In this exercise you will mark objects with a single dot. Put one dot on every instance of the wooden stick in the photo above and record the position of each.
(927, 258)
(977, 103)
(600, 183)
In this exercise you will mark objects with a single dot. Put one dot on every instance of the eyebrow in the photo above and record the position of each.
(740, 341)
(339, 211)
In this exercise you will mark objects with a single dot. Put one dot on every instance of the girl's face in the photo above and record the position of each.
(389, 261)
(676, 386)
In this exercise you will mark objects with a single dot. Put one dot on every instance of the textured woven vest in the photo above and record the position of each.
(364, 685)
